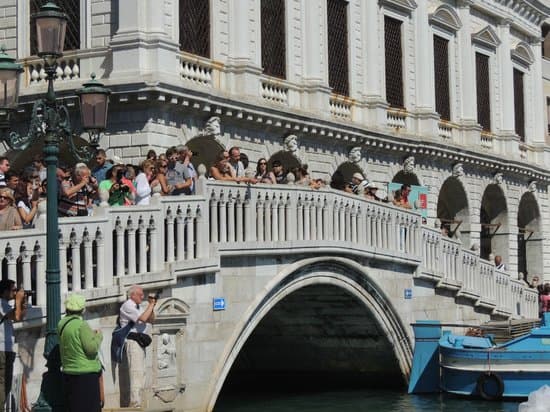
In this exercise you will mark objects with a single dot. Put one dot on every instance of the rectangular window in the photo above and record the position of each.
(441, 72)
(337, 26)
(483, 94)
(72, 35)
(394, 62)
(273, 38)
(194, 26)
(519, 110)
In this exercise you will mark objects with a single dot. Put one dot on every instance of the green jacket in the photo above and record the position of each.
(79, 346)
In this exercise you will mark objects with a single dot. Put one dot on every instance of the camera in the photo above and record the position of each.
(122, 186)
(155, 295)
(30, 292)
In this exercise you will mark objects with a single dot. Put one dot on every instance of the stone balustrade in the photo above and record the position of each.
(102, 254)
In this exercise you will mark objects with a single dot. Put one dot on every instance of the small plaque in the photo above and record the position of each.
(218, 304)
(408, 293)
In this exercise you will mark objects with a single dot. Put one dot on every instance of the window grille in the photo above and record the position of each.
(483, 95)
(72, 35)
(394, 62)
(441, 71)
(273, 38)
(194, 26)
(337, 22)
(519, 110)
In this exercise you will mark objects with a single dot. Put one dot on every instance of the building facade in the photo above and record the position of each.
(447, 95)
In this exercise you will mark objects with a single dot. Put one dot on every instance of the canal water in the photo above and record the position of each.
(360, 400)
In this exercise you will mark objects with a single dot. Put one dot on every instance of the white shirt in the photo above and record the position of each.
(143, 190)
(131, 311)
(7, 338)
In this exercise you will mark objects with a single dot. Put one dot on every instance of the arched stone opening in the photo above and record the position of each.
(343, 175)
(453, 210)
(494, 223)
(287, 159)
(352, 325)
(406, 178)
(205, 150)
(530, 260)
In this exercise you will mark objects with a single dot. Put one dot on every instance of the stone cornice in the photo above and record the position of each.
(254, 114)
(526, 15)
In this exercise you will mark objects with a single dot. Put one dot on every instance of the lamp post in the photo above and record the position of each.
(50, 121)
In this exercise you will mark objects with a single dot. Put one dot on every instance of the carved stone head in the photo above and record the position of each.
(355, 155)
(291, 143)
(212, 126)
(458, 170)
(408, 164)
(498, 178)
(532, 186)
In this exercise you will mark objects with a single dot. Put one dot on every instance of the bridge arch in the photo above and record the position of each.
(530, 251)
(494, 222)
(342, 273)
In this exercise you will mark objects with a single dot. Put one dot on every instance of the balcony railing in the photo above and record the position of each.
(154, 245)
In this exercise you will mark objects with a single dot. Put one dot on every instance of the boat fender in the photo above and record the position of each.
(490, 386)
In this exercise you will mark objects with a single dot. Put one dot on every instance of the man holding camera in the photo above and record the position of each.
(9, 314)
(138, 339)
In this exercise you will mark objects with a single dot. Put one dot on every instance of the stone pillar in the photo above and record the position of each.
(243, 65)
(538, 104)
(141, 47)
(315, 59)
(469, 127)
(427, 118)
(506, 127)
(375, 103)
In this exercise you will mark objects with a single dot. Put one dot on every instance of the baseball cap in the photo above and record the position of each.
(359, 176)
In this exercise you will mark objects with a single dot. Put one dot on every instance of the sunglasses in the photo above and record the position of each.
(263, 164)
(4, 198)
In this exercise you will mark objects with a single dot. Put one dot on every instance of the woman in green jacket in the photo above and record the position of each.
(79, 347)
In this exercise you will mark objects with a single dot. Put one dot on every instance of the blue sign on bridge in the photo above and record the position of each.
(218, 304)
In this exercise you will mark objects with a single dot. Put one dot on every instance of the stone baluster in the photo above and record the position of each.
(347, 223)
(170, 236)
(267, 218)
(239, 222)
(154, 245)
(75, 258)
(231, 218)
(291, 213)
(275, 219)
(378, 228)
(190, 250)
(222, 204)
(342, 222)
(62, 265)
(260, 219)
(142, 245)
(388, 228)
(88, 260)
(40, 275)
(361, 233)
(104, 273)
(214, 238)
(180, 235)
(307, 218)
(336, 221)
(119, 230)
(300, 218)
(131, 230)
(12, 263)
(353, 216)
(410, 237)
(368, 225)
(313, 218)
(283, 204)
(26, 258)
(249, 216)
(202, 241)
(320, 218)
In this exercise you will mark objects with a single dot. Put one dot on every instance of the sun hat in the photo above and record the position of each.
(372, 185)
(359, 176)
(75, 303)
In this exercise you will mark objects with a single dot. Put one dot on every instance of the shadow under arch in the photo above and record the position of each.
(337, 272)
(530, 239)
(453, 210)
(406, 178)
(287, 159)
(343, 175)
(494, 223)
(205, 150)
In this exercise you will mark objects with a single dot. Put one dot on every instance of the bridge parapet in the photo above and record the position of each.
(176, 236)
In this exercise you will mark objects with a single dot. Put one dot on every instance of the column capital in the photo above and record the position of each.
(464, 4)
(505, 22)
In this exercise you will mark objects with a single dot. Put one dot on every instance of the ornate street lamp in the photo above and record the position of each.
(50, 121)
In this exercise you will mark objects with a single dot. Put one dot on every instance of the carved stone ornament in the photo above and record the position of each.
(458, 170)
(212, 127)
(291, 143)
(498, 178)
(408, 165)
(355, 155)
(532, 186)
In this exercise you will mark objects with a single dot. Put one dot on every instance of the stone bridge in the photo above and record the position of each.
(314, 281)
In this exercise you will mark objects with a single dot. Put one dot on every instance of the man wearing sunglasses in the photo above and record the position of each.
(4, 168)
(8, 315)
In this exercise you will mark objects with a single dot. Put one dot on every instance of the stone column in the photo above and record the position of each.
(243, 62)
(371, 28)
(470, 130)
(141, 47)
(538, 105)
(506, 133)
(426, 117)
(315, 59)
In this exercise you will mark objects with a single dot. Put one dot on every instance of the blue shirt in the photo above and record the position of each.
(100, 172)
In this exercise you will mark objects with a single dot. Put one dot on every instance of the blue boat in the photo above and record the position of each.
(478, 366)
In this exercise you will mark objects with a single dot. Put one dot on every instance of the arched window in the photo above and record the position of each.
(337, 27)
(273, 38)
(441, 71)
(394, 62)
(194, 23)
(72, 36)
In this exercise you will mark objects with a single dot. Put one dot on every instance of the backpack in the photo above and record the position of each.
(118, 339)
